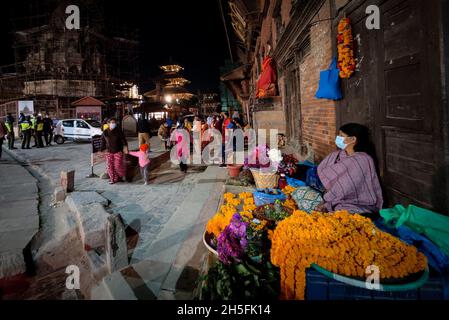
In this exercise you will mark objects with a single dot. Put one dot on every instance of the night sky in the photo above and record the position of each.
(190, 32)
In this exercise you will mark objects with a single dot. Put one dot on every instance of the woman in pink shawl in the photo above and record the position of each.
(182, 138)
(349, 174)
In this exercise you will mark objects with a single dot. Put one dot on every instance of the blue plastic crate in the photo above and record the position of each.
(320, 287)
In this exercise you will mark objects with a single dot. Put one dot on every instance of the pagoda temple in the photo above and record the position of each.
(171, 94)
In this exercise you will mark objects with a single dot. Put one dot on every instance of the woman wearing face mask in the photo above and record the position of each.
(349, 174)
(114, 142)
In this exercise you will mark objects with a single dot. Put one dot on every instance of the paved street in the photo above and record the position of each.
(162, 214)
(19, 219)
(145, 208)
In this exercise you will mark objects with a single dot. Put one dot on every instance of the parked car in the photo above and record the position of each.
(76, 130)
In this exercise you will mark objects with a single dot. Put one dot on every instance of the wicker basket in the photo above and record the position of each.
(265, 180)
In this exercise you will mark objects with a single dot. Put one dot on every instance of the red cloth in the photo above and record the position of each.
(115, 166)
(267, 79)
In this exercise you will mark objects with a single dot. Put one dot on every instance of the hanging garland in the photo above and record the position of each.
(346, 60)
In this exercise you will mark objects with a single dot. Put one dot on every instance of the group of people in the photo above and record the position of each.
(115, 145)
(200, 125)
(37, 126)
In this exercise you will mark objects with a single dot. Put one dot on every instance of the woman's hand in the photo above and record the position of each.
(321, 207)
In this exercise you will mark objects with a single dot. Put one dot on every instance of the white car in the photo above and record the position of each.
(76, 130)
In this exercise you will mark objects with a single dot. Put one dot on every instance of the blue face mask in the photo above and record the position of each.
(340, 142)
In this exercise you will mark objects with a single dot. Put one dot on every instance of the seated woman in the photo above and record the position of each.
(349, 174)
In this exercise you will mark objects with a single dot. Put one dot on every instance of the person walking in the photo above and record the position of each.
(26, 128)
(144, 162)
(182, 149)
(225, 124)
(48, 130)
(9, 123)
(114, 142)
(143, 129)
(39, 131)
(164, 135)
(3, 133)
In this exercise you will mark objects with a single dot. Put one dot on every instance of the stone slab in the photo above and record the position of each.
(116, 246)
(59, 194)
(80, 199)
(117, 287)
(93, 221)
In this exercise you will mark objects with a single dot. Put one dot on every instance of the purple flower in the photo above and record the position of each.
(232, 241)
(258, 158)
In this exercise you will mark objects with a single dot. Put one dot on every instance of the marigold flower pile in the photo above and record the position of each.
(340, 242)
(346, 61)
(231, 205)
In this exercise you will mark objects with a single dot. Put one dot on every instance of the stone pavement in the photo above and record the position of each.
(162, 215)
(159, 264)
(19, 219)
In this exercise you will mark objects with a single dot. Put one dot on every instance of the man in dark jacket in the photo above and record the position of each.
(143, 129)
(39, 131)
(10, 128)
(48, 130)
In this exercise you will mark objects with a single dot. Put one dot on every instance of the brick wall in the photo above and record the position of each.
(318, 115)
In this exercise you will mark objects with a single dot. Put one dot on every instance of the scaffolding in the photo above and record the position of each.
(53, 63)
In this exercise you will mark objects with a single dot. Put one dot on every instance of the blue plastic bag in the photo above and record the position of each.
(313, 180)
(329, 86)
(262, 198)
(295, 183)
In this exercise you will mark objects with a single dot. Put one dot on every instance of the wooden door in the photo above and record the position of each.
(397, 93)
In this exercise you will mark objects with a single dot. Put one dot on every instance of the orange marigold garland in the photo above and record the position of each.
(342, 243)
(346, 60)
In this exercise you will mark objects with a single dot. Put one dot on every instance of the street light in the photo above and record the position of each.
(168, 98)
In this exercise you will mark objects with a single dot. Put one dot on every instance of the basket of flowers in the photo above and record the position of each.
(273, 213)
(263, 163)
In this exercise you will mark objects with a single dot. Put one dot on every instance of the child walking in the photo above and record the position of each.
(144, 162)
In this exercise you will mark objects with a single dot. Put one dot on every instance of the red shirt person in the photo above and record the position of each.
(226, 122)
